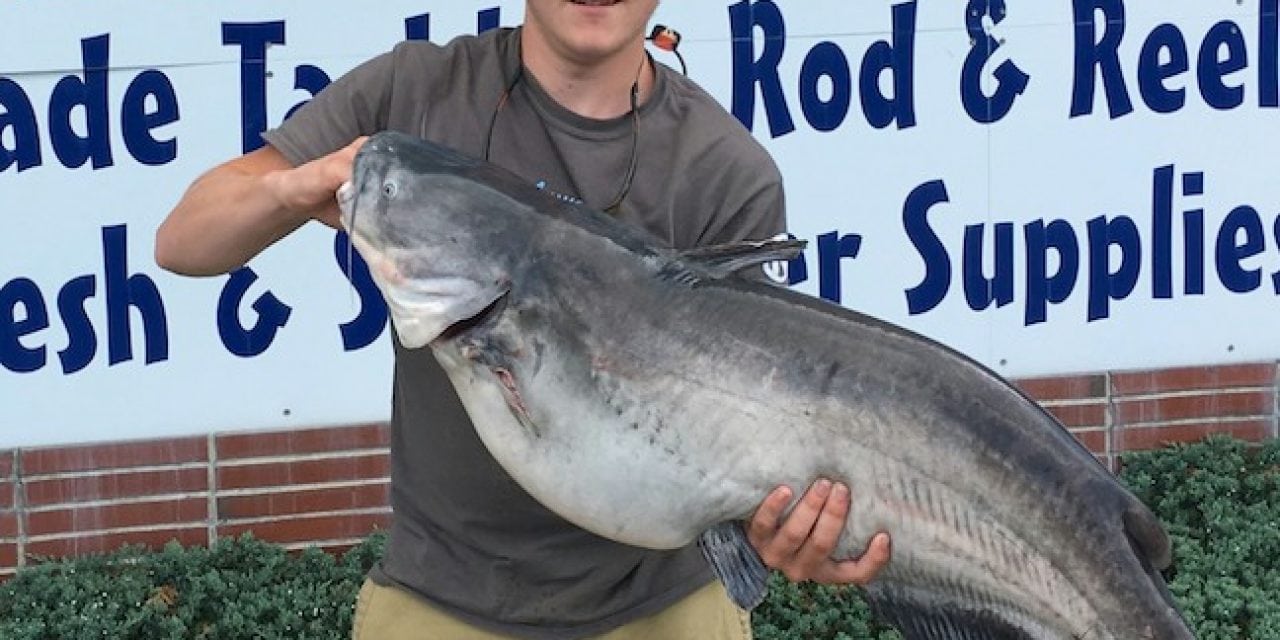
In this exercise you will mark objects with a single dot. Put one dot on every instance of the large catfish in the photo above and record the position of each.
(654, 397)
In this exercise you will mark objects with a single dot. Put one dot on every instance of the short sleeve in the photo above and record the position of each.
(757, 213)
(355, 104)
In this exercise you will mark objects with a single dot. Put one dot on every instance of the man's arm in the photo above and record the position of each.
(241, 207)
(237, 209)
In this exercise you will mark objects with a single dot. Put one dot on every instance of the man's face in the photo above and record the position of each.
(584, 31)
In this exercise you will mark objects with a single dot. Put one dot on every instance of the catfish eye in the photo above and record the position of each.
(390, 189)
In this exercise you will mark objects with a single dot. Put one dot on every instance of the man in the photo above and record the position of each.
(572, 102)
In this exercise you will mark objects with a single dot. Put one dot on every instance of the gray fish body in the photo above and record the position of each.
(648, 396)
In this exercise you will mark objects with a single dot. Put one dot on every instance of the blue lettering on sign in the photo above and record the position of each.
(83, 342)
(272, 315)
(309, 78)
(1275, 277)
(86, 94)
(1193, 234)
(1010, 80)
(90, 93)
(937, 264)
(1105, 283)
(1240, 237)
(126, 291)
(137, 123)
(833, 249)
(1164, 56)
(253, 39)
(1162, 233)
(1101, 53)
(487, 19)
(24, 313)
(418, 27)
(897, 59)
(1043, 288)
(759, 39)
(1166, 41)
(1269, 54)
(362, 330)
(19, 116)
(1211, 69)
(749, 71)
(1111, 259)
(825, 61)
(980, 290)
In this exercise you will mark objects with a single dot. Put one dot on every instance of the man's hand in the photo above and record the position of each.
(800, 545)
(309, 189)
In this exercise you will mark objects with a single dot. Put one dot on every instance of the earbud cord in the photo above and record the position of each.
(632, 161)
(635, 140)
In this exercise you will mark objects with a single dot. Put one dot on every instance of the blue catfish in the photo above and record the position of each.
(654, 397)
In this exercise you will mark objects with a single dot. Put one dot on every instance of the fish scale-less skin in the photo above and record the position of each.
(647, 400)
(661, 400)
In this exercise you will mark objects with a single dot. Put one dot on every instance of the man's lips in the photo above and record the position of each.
(596, 3)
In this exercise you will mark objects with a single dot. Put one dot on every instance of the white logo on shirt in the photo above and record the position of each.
(563, 197)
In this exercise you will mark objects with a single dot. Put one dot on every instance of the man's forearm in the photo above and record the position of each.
(225, 219)
(236, 210)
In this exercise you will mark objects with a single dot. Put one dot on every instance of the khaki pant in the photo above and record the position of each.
(390, 613)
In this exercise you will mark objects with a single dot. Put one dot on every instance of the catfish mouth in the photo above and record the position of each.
(346, 197)
(487, 318)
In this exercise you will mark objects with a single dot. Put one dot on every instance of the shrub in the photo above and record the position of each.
(1220, 500)
(239, 588)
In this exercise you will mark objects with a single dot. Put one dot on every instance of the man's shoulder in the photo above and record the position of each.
(460, 56)
(704, 122)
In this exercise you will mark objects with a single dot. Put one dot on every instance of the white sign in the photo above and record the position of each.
(1050, 187)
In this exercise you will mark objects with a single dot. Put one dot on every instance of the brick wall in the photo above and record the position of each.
(1116, 412)
(322, 487)
(328, 487)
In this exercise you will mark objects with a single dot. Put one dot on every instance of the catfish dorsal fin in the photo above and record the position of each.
(718, 261)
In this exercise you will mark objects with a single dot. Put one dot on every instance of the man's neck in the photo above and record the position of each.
(600, 89)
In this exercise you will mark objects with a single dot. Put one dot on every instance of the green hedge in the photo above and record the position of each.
(1220, 500)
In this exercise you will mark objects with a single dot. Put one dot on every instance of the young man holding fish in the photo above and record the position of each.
(572, 102)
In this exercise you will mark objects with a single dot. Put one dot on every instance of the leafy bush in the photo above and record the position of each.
(239, 588)
(1220, 500)
(816, 612)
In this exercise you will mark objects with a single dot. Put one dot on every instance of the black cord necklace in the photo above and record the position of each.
(614, 205)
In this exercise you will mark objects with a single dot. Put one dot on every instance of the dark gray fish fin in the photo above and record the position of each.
(1148, 536)
(917, 621)
(736, 563)
(721, 260)
(1155, 554)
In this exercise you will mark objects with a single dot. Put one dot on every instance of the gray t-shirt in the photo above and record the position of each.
(465, 536)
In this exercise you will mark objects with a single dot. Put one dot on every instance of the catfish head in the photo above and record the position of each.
(443, 234)
(441, 242)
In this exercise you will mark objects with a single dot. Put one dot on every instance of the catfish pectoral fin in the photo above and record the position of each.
(736, 563)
